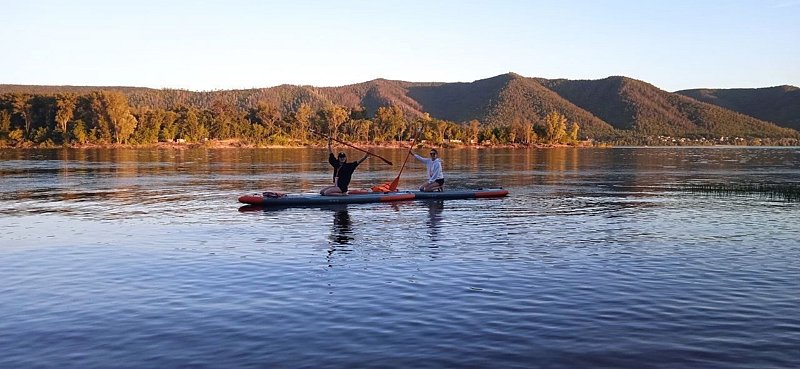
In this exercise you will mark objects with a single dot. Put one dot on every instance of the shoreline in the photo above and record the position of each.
(236, 144)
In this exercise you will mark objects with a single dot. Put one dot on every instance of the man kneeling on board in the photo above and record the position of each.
(342, 172)
(435, 176)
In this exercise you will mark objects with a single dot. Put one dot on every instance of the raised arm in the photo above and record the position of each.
(364, 158)
(330, 149)
(332, 159)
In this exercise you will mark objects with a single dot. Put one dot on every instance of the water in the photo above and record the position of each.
(143, 258)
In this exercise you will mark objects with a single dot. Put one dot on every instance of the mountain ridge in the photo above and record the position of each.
(602, 107)
(779, 104)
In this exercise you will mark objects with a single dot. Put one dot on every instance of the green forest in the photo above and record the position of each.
(506, 110)
(105, 117)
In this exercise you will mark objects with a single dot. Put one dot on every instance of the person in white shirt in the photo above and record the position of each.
(435, 176)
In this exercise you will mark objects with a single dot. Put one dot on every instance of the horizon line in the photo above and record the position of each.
(369, 80)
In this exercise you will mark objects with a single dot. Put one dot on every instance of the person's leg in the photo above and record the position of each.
(332, 191)
(429, 187)
(336, 191)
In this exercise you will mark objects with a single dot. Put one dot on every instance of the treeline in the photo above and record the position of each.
(105, 117)
(633, 139)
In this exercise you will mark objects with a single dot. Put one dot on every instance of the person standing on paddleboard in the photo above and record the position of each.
(435, 174)
(342, 172)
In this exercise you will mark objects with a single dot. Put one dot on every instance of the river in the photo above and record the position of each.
(598, 258)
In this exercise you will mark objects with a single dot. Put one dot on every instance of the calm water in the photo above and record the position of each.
(143, 258)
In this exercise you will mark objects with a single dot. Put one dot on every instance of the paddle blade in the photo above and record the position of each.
(384, 187)
(394, 184)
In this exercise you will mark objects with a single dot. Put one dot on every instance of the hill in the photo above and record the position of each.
(603, 108)
(780, 104)
(492, 101)
(633, 105)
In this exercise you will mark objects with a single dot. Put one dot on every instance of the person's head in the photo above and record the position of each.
(342, 157)
(434, 154)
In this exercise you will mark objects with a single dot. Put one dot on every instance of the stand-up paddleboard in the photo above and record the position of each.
(281, 199)
(460, 194)
(317, 199)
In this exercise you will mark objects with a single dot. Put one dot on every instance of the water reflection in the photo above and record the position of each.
(583, 250)
(341, 232)
(435, 208)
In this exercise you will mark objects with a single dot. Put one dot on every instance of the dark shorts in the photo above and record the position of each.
(440, 181)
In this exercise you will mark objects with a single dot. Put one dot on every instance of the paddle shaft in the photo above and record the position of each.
(352, 146)
(396, 181)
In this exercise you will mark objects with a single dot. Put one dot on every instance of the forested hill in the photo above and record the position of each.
(633, 105)
(499, 100)
(780, 104)
(506, 108)
(502, 99)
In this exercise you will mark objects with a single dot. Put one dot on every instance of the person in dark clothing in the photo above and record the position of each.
(342, 172)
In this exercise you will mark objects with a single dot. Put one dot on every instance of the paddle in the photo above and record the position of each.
(396, 182)
(392, 187)
(349, 145)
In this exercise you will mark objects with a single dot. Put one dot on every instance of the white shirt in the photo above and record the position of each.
(434, 168)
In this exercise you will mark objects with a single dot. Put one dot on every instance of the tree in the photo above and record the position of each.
(169, 127)
(301, 122)
(517, 131)
(439, 126)
(333, 116)
(389, 122)
(22, 105)
(65, 108)
(474, 130)
(98, 129)
(5, 122)
(530, 134)
(118, 114)
(226, 119)
(191, 129)
(358, 113)
(555, 127)
(487, 135)
(573, 132)
(266, 115)
(16, 135)
(147, 130)
(79, 132)
(363, 129)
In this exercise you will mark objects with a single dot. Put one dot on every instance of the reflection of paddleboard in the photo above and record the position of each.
(270, 198)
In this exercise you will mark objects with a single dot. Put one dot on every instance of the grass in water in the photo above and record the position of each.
(781, 191)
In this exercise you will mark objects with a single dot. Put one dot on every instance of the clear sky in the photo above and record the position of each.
(208, 45)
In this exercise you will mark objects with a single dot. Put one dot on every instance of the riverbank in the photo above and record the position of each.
(238, 144)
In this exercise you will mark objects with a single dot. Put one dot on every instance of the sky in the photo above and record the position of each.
(212, 45)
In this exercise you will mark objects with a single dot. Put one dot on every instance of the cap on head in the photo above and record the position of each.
(342, 155)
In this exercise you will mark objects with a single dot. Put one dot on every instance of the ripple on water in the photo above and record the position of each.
(592, 262)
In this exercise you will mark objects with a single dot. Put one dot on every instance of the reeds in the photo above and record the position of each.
(774, 191)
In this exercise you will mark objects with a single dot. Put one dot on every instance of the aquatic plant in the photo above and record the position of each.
(781, 191)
